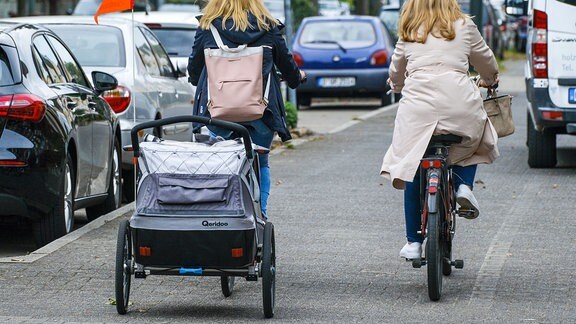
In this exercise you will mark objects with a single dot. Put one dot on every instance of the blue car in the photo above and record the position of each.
(345, 56)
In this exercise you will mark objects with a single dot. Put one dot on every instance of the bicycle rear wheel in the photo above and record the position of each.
(434, 255)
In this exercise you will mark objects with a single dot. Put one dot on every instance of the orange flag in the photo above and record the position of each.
(112, 6)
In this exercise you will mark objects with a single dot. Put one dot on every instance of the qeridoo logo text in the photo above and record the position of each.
(213, 224)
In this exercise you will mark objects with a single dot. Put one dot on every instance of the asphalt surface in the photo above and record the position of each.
(339, 228)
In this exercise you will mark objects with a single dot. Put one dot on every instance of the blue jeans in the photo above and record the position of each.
(461, 175)
(262, 135)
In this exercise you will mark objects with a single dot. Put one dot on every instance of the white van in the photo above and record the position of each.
(550, 74)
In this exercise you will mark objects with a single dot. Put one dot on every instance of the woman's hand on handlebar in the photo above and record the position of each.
(303, 77)
(483, 84)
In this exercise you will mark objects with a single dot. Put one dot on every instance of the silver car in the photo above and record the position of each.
(149, 87)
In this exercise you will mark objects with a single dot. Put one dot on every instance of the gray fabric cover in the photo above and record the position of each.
(188, 186)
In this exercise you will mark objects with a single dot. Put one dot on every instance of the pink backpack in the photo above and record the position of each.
(235, 87)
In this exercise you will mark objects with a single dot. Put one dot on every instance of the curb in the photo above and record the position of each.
(71, 237)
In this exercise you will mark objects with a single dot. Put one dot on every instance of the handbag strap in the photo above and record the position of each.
(220, 43)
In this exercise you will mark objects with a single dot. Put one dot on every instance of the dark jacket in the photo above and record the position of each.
(278, 55)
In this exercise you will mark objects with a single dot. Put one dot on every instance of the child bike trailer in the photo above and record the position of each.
(197, 213)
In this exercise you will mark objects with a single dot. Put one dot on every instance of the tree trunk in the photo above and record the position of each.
(362, 7)
(21, 8)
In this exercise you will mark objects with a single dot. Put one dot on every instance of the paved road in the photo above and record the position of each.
(339, 228)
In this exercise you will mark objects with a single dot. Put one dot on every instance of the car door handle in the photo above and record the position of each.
(160, 94)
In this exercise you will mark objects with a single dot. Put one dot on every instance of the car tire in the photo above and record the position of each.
(303, 101)
(128, 189)
(114, 194)
(541, 147)
(60, 220)
(387, 99)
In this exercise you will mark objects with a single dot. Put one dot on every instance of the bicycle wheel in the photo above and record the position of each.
(227, 283)
(268, 270)
(123, 267)
(434, 256)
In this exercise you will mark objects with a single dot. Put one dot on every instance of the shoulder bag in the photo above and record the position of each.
(499, 111)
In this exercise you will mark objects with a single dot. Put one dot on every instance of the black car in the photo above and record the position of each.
(59, 139)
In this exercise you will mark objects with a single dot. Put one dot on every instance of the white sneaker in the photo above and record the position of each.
(412, 250)
(468, 203)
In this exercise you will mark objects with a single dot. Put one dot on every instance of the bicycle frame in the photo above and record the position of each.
(438, 210)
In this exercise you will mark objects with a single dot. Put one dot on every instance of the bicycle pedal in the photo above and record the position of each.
(466, 213)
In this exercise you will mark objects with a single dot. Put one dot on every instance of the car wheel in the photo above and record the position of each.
(128, 185)
(541, 147)
(60, 220)
(303, 101)
(114, 194)
(386, 99)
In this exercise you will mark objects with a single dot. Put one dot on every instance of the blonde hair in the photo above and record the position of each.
(422, 17)
(238, 11)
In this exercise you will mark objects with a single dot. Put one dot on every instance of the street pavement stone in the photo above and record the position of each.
(339, 227)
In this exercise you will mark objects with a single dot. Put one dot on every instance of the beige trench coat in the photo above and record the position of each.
(438, 97)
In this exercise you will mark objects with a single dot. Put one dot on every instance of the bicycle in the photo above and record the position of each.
(438, 210)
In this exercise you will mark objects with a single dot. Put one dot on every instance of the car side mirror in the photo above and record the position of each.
(516, 8)
(103, 81)
(181, 69)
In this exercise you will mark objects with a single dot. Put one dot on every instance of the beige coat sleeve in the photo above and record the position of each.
(398, 66)
(481, 56)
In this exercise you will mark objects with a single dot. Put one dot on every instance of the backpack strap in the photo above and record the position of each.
(221, 45)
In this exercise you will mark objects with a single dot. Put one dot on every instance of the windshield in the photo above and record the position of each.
(175, 41)
(346, 34)
(94, 45)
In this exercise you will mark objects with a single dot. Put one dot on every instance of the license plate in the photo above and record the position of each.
(572, 95)
(340, 82)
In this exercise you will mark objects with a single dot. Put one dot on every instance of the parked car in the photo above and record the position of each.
(276, 8)
(89, 7)
(180, 7)
(345, 56)
(489, 26)
(520, 34)
(149, 87)
(550, 75)
(60, 140)
(175, 30)
(330, 8)
(390, 15)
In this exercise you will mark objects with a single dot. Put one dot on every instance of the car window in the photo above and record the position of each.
(390, 19)
(570, 2)
(49, 61)
(6, 77)
(164, 62)
(146, 55)
(176, 41)
(41, 67)
(94, 45)
(72, 70)
(348, 34)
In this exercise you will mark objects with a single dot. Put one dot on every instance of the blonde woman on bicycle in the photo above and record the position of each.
(437, 43)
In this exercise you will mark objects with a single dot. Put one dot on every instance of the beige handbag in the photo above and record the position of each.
(499, 111)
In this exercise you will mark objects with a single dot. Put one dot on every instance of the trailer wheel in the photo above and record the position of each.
(268, 270)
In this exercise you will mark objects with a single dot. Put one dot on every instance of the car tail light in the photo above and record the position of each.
(25, 107)
(379, 57)
(540, 45)
(298, 59)
(118, 99)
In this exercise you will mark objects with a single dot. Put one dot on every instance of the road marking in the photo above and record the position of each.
(488, 277)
